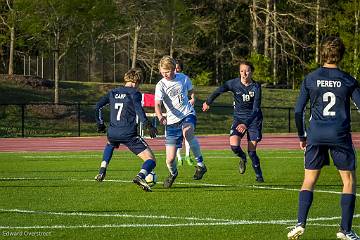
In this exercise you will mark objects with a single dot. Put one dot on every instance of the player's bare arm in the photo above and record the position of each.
(158, 112)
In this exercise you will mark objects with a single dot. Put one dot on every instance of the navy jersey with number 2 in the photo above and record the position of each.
(125, 104)
(329, 91)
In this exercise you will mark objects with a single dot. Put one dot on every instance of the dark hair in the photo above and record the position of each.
(180, 63)
(332, 50)
(247, 63)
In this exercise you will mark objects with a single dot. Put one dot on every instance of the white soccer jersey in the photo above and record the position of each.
(174, 95)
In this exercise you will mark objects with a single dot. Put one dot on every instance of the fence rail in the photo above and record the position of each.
(78, 119)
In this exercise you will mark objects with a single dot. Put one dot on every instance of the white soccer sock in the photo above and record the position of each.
(178, 153)
(104, 164)
(172, 167)
(187, 148)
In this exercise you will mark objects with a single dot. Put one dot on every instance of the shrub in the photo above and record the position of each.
(202, 79)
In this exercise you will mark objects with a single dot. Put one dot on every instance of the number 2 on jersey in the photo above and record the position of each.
(119, 106)
(331, 98)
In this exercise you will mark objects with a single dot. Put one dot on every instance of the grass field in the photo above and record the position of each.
(53, 196)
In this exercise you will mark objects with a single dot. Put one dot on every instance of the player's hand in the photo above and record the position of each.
(153, 131)
(205, 107)
(192, 101)
(303, 145)
(241, 128)
(162, 120)
(101, 128)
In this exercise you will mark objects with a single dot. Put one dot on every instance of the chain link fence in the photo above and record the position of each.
(78, 119)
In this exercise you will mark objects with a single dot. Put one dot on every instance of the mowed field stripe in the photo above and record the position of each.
(208, 221)
(181, 183)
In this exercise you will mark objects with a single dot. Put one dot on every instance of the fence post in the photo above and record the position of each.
(289, 119)
(78, 117)
(22, 120)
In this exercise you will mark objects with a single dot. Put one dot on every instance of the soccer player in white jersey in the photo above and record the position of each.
(180, 121)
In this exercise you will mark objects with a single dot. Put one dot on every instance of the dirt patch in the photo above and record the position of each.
(32, 81)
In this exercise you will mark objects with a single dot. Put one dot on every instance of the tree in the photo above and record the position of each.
(8, 19)
(57, 24)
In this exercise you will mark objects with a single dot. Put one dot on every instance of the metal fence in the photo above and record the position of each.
(78, 119)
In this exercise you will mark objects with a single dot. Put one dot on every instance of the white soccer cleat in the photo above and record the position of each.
(347, 235)
(296, 232)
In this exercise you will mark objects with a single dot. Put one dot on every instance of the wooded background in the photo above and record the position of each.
(99, 40)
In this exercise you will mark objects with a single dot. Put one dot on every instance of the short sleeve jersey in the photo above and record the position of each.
(174, 95)
(247, 99)
(125, 105)
(329, 91)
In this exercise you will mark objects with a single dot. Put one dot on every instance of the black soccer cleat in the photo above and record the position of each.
(242, 165)
(168, 182)
(199, 172)
(101, 176)
(260, 179)
(142, 184)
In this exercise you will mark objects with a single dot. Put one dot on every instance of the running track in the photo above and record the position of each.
(270, 141)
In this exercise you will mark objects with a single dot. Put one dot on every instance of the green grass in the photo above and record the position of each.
(90, 92)
(57, 190)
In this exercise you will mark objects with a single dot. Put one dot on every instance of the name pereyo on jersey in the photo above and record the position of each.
(328, 83)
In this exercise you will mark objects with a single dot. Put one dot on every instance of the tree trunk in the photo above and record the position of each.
(356, 44)
(11, 54)
(92, 64)
(317, 50)
(275, 47)
(56, 76)
(56, 66)
(135, 48)
(254, 27)
(267, 29)
(172, 38)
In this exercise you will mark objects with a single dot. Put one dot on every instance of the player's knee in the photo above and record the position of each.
(188, 134)
(109, 145)
(236, 149)
(254, 157)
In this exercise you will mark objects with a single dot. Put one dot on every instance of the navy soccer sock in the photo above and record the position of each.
(108, 152)
(147, 167)
(255, 163)
(305, 201)
(238, 151)
(347, 210)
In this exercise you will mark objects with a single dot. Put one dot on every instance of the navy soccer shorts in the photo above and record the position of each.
(254, 131)
(174, 134)
(317, 156)
(135, 144)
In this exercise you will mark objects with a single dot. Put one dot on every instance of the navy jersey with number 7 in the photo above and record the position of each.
(329, 91)
(125, 104)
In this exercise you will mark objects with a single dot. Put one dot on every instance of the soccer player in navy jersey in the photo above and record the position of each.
(247, 115)
(329, 90)
(125, 105)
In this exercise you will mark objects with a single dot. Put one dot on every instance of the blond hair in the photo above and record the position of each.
(134, 75)
(332, 50)
(167, 63)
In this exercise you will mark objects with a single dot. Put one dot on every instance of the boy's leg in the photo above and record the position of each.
(171, 165)
(348, 199)
(200, 168)
(188, 159)
(107, 155)
(178, 156)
